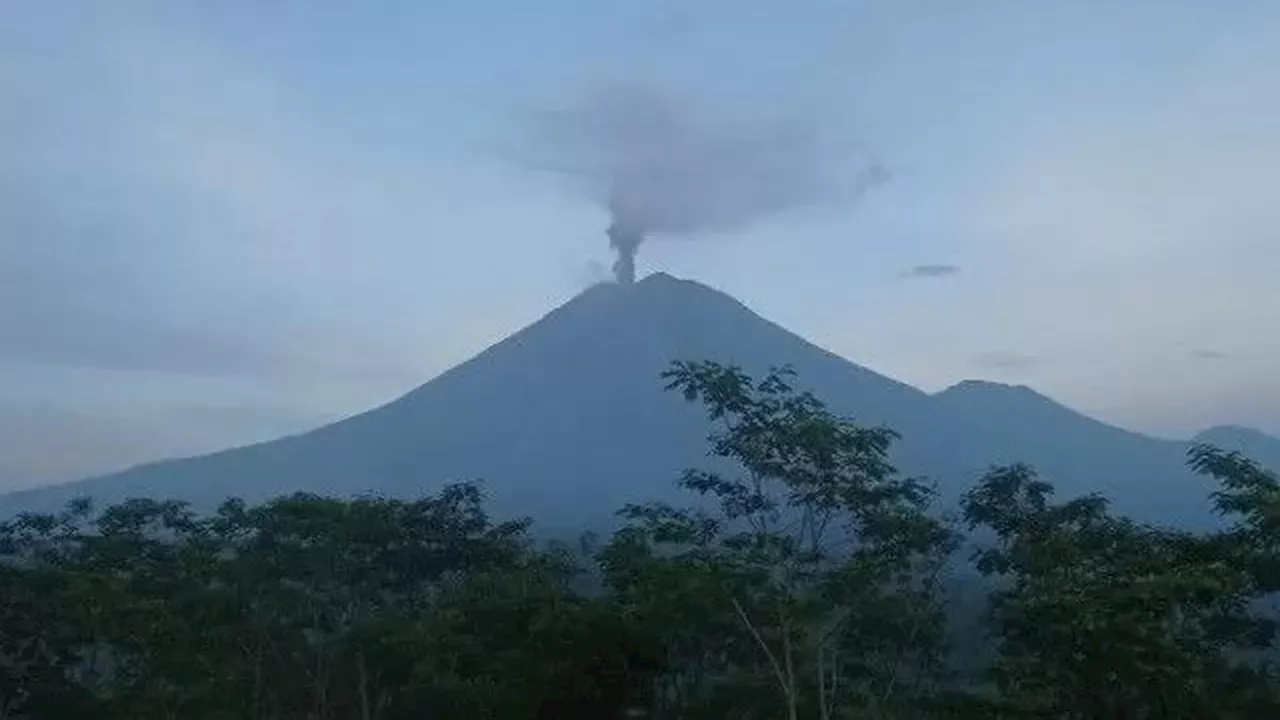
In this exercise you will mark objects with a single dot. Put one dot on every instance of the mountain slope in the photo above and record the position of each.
(566, 420)
(1144, 476)
(563, 419)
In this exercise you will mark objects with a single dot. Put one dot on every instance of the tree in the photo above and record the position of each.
(303, 607)
(1250, 496)
(40, 643)
(812, 585)
(1103, 617)
(806, 581)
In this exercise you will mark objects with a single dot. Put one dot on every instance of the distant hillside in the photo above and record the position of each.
(996, 423)
(566, 420)
(1251, 443)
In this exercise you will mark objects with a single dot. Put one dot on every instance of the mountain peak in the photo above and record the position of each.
(567, 420)
(1017, 405)
(663, 285)
(657, 308)
(1237, 431)
(990, 388)
(659, 277)
(1250, 442)
(655, 287)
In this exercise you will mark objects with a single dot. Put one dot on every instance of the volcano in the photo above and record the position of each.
(567, 420)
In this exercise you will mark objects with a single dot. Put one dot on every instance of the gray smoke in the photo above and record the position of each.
(664, 167)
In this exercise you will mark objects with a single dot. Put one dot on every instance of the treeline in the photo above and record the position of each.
(816, 583)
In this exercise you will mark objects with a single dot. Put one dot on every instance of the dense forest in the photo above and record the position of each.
(813, 581)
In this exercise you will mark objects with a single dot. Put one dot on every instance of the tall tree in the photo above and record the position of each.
(812, 584)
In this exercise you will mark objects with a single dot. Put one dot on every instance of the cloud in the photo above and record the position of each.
(41, 442)
(167, 205)
(69, 296)
(179, 228)
(1208, 354)
(1128, 223)
(931, 271)
(1133, 226)
(101, 267)
(1007, 360)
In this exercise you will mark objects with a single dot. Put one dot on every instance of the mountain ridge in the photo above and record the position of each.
(566, 418)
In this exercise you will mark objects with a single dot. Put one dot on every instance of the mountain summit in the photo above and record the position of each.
(1251, 443)
(567, 420)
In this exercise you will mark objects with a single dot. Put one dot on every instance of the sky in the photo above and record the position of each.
(223, 222)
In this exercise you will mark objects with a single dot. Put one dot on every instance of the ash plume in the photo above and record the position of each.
(668, 167)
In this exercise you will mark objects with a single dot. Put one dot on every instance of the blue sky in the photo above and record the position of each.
(224, 221)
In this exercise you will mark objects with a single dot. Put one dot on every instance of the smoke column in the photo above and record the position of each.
(627, 243)
(668, 168)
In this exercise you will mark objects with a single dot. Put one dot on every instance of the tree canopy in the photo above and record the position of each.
(805, 578)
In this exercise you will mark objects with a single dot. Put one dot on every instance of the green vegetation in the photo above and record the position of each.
(810, 581)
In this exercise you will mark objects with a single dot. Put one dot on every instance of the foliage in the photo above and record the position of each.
(811, 587)
(305, 607)
(807, 579)
(1102, 617)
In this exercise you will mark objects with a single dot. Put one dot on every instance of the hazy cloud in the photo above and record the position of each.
(1007, 360)
(43, 443)
(932, 271)
(1139, 215)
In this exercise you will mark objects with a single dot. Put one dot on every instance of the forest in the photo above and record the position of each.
(813, 581)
